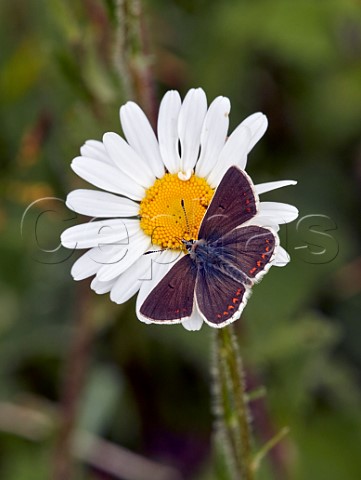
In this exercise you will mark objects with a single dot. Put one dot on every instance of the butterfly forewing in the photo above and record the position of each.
(172, 298)
(233, 203)
(219, 297)
(250, 248)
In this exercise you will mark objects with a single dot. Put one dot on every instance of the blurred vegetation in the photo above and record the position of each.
(148, 387)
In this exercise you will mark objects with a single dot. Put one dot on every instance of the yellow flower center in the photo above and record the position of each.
(172, 209)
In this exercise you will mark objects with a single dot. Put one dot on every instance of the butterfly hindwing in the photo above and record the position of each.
(223, 287)
(233, 203)
(172, 298)
(220, 298)
(250, 248)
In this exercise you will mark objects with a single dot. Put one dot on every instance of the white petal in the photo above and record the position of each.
(168, 130)
(84, 267)
(95, 149)
(190, 121)
(186, 175)
(129, 282)
(127, 160)
(125, 257)
(269, 186)
(233, 153)
(107, 177)
(213, 136)
(99, 233)
(141, 137)
(89, 263)
(282, 257)
(160, 268)
(238, 146)
(257, 123)
(101, 287)
(101, 204)
(194, 322)
(278, 212)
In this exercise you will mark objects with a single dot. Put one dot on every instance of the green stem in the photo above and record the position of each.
(131, 58)
(231, 405)
(267, 447)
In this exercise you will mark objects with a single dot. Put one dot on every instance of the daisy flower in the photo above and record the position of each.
(146, 184)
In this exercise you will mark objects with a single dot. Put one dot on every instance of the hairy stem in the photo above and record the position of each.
(231, 405)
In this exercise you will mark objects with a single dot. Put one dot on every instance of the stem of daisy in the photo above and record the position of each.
(231, 410)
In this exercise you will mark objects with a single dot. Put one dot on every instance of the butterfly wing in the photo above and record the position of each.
(171, 300)
(233, 203)
(250, 248)
(223, 288)
(220, 298)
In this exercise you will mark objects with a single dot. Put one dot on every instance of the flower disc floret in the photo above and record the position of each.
(172, 209)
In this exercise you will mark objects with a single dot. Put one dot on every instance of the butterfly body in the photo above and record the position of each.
(213, 258)
(203, 253)
(220, 267)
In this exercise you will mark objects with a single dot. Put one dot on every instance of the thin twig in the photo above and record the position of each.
(118, 461)
(24, 422)
(74, 377)
(131, 58)
(38, 424)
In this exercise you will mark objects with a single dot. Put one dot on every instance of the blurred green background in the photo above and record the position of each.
(147, 388)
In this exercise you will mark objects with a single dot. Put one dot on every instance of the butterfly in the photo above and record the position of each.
(221, 266)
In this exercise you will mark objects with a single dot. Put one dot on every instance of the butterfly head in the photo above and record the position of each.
(197, 249)
(188, 244)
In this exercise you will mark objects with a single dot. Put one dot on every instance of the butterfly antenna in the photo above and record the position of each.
(186, 216)
(180, 240)
(156, 251)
